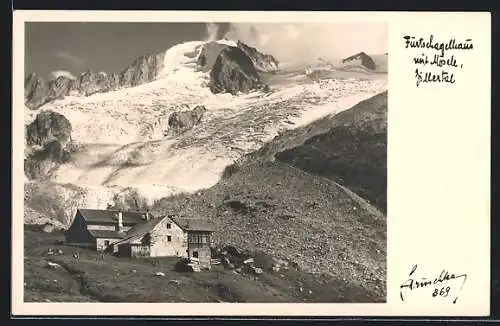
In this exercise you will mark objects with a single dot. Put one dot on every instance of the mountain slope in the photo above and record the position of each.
(272, 206)
(146, 69)
(120, 134)
(353, 151)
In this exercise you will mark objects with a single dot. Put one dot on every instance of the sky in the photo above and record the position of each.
(71, 48)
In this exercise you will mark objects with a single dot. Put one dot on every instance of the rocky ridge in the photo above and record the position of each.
(366, 60)
(262, 62)
(239, 64)
(38, 92)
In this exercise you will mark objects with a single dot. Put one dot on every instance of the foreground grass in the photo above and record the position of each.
(91, 279)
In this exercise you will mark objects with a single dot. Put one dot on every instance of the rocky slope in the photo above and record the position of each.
(353, 152)
(273, 202)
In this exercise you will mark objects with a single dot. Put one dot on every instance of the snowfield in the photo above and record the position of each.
(121, 133)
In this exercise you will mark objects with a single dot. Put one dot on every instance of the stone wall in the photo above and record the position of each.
(161, 247)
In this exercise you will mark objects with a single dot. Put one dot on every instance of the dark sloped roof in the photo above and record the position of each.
(192, 224)
(110, 216)
(140, 230)
(107, 234)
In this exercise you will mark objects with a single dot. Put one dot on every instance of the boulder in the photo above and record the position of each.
(182, 121)
(257, 270)
(48, 228)
(53, 265)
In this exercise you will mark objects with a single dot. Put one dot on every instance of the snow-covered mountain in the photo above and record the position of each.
(120, 121)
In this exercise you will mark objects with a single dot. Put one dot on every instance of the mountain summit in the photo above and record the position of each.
(239, 61)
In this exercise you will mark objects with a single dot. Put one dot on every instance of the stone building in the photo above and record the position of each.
(168, 236)
(140, 234)
(98, 229)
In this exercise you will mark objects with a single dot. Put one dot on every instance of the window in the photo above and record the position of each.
(169, 238)
(106, 243)
(196, 238)
(169, 226)
(195, 254)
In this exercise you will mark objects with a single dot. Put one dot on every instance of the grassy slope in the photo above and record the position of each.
(91, 279)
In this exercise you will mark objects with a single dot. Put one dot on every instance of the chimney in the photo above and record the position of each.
(120, 221)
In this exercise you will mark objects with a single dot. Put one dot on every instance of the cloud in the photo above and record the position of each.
(305, 42)
(212, 32)
(58, 73)
(71, 58)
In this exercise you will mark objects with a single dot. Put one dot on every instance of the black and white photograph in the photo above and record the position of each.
(201, 162)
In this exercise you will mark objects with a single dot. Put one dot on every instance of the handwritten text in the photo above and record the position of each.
(437, 63)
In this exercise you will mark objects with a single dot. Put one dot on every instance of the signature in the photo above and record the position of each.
(440, 284)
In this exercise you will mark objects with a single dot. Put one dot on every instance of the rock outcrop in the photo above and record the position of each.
(262, 62)
(35, 91)
(143, 70)
(208, 55)
(233, 72)
(58, 88)
(182, 121)
(46, 127)
(366, 60)
(48, 136)
(89, 83)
